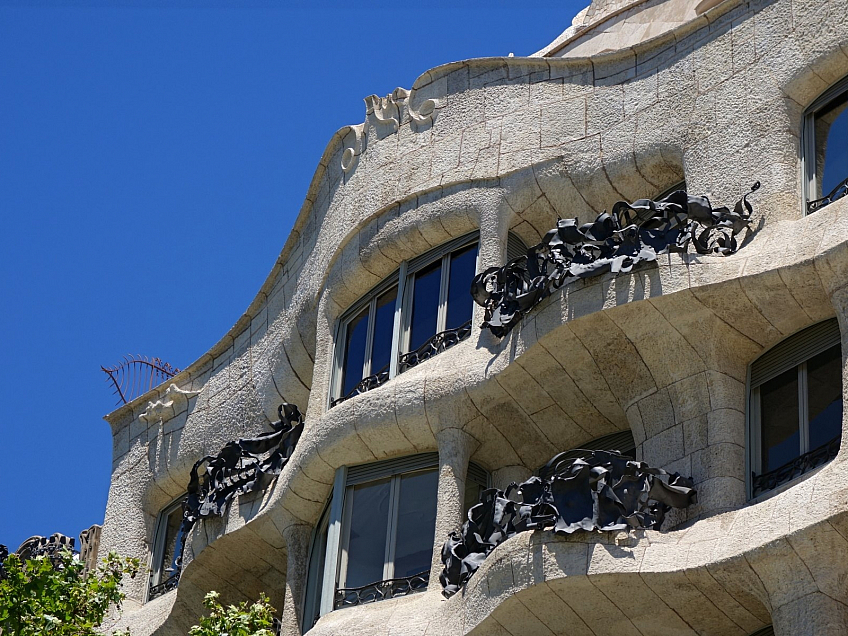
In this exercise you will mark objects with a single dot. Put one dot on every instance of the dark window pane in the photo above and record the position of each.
(368, 526)
(354, 357)
(831, 124)
(779, 416)
(416, 523)
(462, 269)
(425, 305)
(384, 320)
(824, 391)
(173, 543)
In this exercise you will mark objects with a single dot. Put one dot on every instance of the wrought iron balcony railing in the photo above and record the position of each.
(350, 596)
(436, 344)
(366, 384)
(837, 193)
(165, 586)
(796, 468)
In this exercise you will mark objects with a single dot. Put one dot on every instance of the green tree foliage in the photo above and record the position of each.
(57, 596)
(241, 620)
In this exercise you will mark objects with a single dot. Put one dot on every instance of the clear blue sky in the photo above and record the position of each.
(152, 162)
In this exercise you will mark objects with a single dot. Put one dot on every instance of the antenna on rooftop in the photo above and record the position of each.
(136, 375)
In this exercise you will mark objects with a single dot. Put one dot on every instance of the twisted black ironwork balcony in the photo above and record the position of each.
(350, 596)
(438, 343)
(796, 468)
(366, 384)
(165, 586)
(837, 193)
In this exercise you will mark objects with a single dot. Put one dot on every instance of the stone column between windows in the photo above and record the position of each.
(455, 448)
(297, 538)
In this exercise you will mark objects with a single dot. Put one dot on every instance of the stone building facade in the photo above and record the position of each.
(724, 367)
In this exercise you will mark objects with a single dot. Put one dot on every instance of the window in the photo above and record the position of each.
(422, 309)
(825, 146)
(167, 551)
(378, 534)
(795, 406)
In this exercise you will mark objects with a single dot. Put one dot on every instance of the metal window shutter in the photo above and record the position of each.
(380, 470)
(622, 441)
(794, 350)
(515, 247)
(478, 475)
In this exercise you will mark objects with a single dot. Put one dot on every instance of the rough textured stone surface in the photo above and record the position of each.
(713, 95)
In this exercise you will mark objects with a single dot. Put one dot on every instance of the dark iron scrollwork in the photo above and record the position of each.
(165, 586)
(392, 588)
(796, 467)
(633, 233)
(240, 467)
(602, 490)
(837, 193)
(366, 384)
(436, 344)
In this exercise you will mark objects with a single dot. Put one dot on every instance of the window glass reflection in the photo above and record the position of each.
(463, 266)
(384, 319)
(416, 523)
(173, 543)
(831, 133)
(781, 442)
(824, 390)
(367, 533)
(425, 305)
(354, 358)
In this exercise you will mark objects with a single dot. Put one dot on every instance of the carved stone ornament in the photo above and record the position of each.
(614, 242)
(164, 409)
(600, 491)
(387, 114)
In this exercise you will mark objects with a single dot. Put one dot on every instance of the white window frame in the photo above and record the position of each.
(809, 179)
(404, 279)
(790, 353)
(337, 522)
(157, 567)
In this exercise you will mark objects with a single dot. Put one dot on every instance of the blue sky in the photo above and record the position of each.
(153, 157)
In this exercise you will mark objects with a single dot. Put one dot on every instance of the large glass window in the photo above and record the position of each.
(417, 312)
(167, 551)
(795, 406)
(378, 534)
(826, 148)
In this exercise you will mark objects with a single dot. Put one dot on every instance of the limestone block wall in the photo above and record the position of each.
(511, 144)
